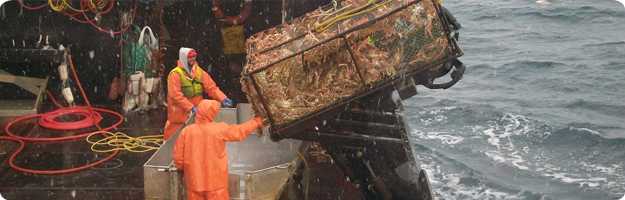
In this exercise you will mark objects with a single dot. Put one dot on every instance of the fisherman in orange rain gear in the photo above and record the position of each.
(200, 152)
(185, 86)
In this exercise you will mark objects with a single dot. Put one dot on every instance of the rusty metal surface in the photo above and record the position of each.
(293, 71)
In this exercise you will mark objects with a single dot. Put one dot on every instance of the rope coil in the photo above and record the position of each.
(120, 141)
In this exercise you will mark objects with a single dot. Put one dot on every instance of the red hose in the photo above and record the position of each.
(110, 31)
(54, 101)
(88, 119)
(49, 172)
(110, 7)
(86, 19)
(107, 9)
(73, 17)
(32, 8)
(61, 125)
(82, 91)
(48, 120)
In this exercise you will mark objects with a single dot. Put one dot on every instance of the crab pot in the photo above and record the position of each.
(300, 71)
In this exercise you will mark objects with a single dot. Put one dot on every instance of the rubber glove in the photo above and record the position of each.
(258, 120)
(260, 123)
(227, 102)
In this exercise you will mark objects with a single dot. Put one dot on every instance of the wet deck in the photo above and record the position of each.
(120, 178)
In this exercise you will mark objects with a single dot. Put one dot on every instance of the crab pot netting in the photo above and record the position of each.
(298, 69)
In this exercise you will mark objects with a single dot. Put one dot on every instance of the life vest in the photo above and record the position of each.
(191, 87)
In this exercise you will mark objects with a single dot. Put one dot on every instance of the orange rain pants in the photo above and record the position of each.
(221, 194)
(200, 151)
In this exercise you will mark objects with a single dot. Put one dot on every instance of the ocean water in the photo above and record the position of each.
(540, 113)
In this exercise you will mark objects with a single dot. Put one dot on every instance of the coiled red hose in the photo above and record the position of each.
(50, 123)
(90, 117)
(49, 120)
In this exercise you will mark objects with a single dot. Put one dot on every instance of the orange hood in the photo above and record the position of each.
(207, 111)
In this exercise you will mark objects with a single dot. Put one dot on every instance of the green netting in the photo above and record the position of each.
(135, 56)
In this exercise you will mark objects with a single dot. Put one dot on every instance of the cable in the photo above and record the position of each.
(62, 5)
(121, 141)
(104, 5)
(61, 125)
(73, 16)
(82, 91)
(110, 31)
(54, 101)
(88, 119)
(21, 2)
(57, 6)
(69, 5)
(98, 7)
(48, 172)
(50, 118)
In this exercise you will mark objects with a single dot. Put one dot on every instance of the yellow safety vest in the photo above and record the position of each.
(191, 87)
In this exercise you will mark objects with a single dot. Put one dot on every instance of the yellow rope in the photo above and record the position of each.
(98, 5)
(120, 141)
(57, 6)
(93, 5)
(69, 5)
(370, 6)
(61, 5)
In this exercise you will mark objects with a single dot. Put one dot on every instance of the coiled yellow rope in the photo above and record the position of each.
(120, 141)
(61, 5)
(57, 5)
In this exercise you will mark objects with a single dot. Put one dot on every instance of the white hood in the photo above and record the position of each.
(182, 56)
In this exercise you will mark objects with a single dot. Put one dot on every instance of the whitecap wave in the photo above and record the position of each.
(500, 132)
(449, 184)
(435, 116)
(543, 2)
(514, 158)
(444, 137)
(585, 130)
(581, 182)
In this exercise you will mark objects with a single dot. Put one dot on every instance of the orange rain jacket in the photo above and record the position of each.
(179, 106)
(200, 150)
